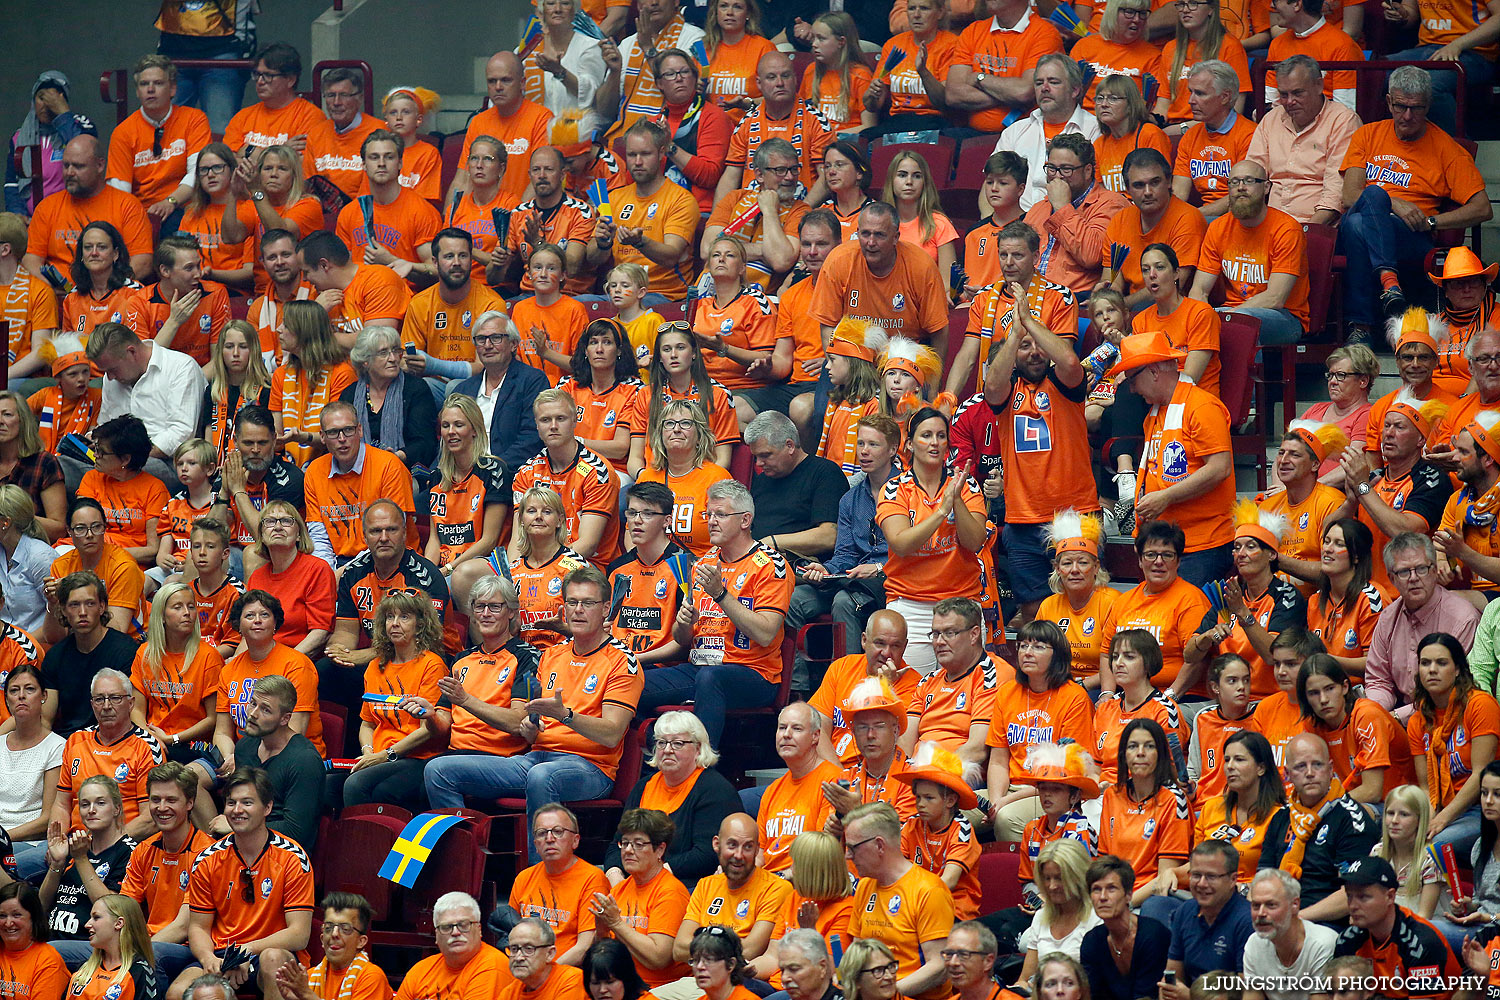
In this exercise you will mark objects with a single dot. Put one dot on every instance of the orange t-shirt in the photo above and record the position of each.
(122, 577)
(587, 682)
(748, 321)
(805, 128)
(207, 225)
(58, 417)
(1245, 18)
(282, 877)
(648, 605)
(828, 95)
(524, 131)
(488, 677)
(1257, 835)
(668, 211)
(912, 300)
(955, 844)
(793, 320)
(1304, 537)
(237, 683)
(908, 96)
(1210, 731)
(1004, 52)
(129, 505)
(1442, 23)
(1023, 718)
(1171, 615)
(1205, 157)
(305, 215)
(175, 693)
(1110, 153)
(1181, 227)
(1428, 171)
(339, 499)
(479, 222)
(1325, 42)
(1146, 833)
(654, 908)
(158, 879)
(127, 760)
(1112, 715)
(147, 312)
(418, 677)
(1136, 61)
(375, 292)
(981, 267)
(564, 322)
(337, 155)
(540, 589)
(402, 227)
(763, 897)
(561, 900)
(1088, 629)
(791, 807)
(839, 679)
(1278, 718)
(1244, 257)
(587, 485)
(36, 971)
(914, 910)
(60, 219)
(30, 305)
(431, 979)
(151, 176)
(1192, 326)
(17, 647)
(761, 581)
(1448, 746)
(1370, 737)
(688, 527)
(260, 126)
(1042, 831)
(1180, 438)
(941, 567)
(421, 171)
(944, 710)
(444, 330)
(1230, 51)
(730, 74)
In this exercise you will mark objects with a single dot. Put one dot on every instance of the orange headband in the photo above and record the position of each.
(1078, 545)
(1312, 442)
(907, 366)
(66, 361)
(1255, 531)
(849, 349)
(1412, 414)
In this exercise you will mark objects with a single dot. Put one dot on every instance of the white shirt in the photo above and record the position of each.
(1039, 936)
(1028, 139)
(168, 398)
(21, 775)
(486, 400)
(22, 574)
(1261, 960)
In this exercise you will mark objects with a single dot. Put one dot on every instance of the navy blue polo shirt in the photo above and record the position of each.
(1201, 947)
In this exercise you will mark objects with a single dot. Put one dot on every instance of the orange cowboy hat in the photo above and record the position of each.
(1141, 349)
(933, 763)
(874, 694)
(1461, 262)
(1059, 764)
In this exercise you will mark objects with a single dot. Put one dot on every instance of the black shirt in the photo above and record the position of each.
(1344, 832)
(1148, 960)
(809, 496)
(70, 911)
(296, 775)
(71, 672)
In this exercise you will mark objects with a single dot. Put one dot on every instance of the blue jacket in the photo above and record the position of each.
(513, 436)
(859, 539)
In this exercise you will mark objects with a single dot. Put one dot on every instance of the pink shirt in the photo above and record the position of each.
(1355, 424)
(943, 233)
(1304, 165)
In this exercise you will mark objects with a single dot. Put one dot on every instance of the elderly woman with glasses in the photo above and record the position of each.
(288, 570)
(718, 962)
(1120, 48)
(1352, 371)
(642, 885)
(689, 790)
(396, 410)
(682, 451)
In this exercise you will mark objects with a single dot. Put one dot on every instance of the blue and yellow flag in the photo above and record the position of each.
(599, 198)
(414, 847)
(531, 37)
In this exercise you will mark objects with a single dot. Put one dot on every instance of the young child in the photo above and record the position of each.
(836, 80)
(550, 322)
(906, 366)
(1004, 179)
(1112, 318)
(209, 552)
(1064, 780)
(71, 406)
(195, 463)
(939, 837)
(626, 286)
(1229, 684)
(1279, 717)
(851, 370)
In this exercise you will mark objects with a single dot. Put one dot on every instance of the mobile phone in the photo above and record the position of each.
(411, 349)
(1169, 977)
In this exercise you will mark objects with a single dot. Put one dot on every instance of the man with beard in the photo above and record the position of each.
(556, 217)
(53, 235)
(253, 476)
(403, 221)
(181, 311)
(1058, 86)
(654, 219)
(439, 320)
(1285, 947)
(741, 894)
(291, 762)
(1073, 214)
(773, 208)
(1257, 256)
(1468, 551)
(278, 255)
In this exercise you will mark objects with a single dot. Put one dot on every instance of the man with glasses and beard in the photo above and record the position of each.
(556, 217)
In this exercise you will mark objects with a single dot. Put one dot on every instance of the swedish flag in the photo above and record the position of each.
(414, 847)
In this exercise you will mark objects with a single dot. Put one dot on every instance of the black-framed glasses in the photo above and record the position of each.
(214, 169)
(885, 971)
(851, 848)
(260, 75)
(1063, 171)
(460, 926)
(552, 833)
(964, 954)
(525, 950)
(338, 433)
(156, 137)
(110, 699)
(247, 886)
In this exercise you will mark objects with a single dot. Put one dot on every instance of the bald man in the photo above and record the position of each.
(1327, 825)
(741, 893)
(779, 115)
(884, 647)
(794, 803)
(60, 219)
(519, 123)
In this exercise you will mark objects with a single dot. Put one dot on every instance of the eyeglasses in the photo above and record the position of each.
(634, 845)
(215, 169)
(552, 833)
(632, 514)
(485, 339)
(1244, 182)
(525, 950)
(260, 75)
(949, 634)
(457, 927)
(1128, 12)
(388, 352)
(487, 608)
(964, 954)
(1485, 359)
(110, 699)
(1412, 572)
(278, 522)
(1409, 109)
(676, 425)
(1338, 377)
(1156, 555)
(786, 171)
(339, 433)
(348, 930)
(1190, 4)
(869, 727)
(87, 529)
(851, 848)
(674, 745)
(581, 603)
(1054, 170)
(676, 74)
(714, 515)
(1208, 876)
(886, 971)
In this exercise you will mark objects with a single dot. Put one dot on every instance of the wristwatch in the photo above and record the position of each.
(392, 755)
(567, 720)
(979, 80)
(1363, 489)
(258, 196)
(1431, 223)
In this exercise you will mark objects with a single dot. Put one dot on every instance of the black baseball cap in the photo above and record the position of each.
(1371, 871)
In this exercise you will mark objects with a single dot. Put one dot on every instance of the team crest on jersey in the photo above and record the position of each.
(743, 910)
(1088, 626)
(727, 326)
(898, 301)
(739, 581)
(651, 211)
(590, 684)
(610, 418)
(265, 888)
(1174, 460)
(1351, 639)
(1247, 836)
(102, 870)
(1302, 521)
(113, 993)
(203, 324)
(468, 318)
(963, 698)
(1398, 503)
(122, 772)
(1148, 829)
(1043, 401)
(894, 906)
(504, 675)
(182, 880)
(1322, 836)
(554, 587)
(661, 588)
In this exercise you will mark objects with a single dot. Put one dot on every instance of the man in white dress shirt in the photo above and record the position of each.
(163, 387)
(1058, 86)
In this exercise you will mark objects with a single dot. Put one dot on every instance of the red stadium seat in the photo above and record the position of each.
(741, 463)
(958, 325)
(333, 731)
(999, 874)
(971, 157)
(451, 146)
(1239, 374)
(456, 865)
(601, 310)
(939, 157)
(351, 851)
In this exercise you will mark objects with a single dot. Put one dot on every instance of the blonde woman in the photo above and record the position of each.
(1403, 842)
(1125, 125)
(911, 188)
(539, 562)
(471, 501)
(1200, 36)
(868, 971)
(820, 875)
(87, 864)
(122, 965)
(285, 567)
(682, 452)
(28, 553)
(276, 176)
(237, 377)
(734, 44)
(315, 372)
(24, 463)
(1066, 914)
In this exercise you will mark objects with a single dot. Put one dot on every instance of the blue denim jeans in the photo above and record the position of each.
(1198, 568)
(1478, 71)
(218, 93)
(543, 776)
(1277, 326)
(1374, 239)
(1461, 833)
(713, 688)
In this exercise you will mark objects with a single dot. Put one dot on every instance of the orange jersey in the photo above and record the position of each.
(1442, 22)
(841, 432)
(158, 878)
(908, 95)
(1447, 746)
(207, 225)
(881, 789)
(1180, 437)
(1244, 257)
(1088, 628)
(175, 692)
(1230, 51)
(237, 684)
(17, 647)
(147, 312)
(563, 322)
(1347, 633)
(912, 911)
(955, 844)
(827, 93)
(981, 267)
(1146, 833)
(730, 73)
(561, 900)
(419, 677)
(339, 499)
(57, 417)
(791, 807)
(761, 581)
(126, 760)
(747, 321)
(571, 220)
(1429, 171)
(1261, 841)
(135, 982)
(1423, 491)
(941, 567)
(488, 677)
(479, 222)
(1137, 61)
(443, 329)
(81, 311)
(60, 219)
(1110, 153)
(912, 300)
(1181, 227)
(300, 399)
(177, 520)
(1172, 616)
(1045, 451)
(648, 597)
(742, 203)
(654, 908)
(403, 227)
(421, 171)
(540, 588)
(1112, 715)
(361, 588)
(1023, 718)
(670, 210)
(1465, 516)
(992, 314)
(481, 976)
(805, 128)
(945, 710)
(719, 406)
(144, 173)
(1304, 537)
(29, 305)
(838, 681)
(122, 577)
(1210, 731)
(688, 526)
(523, 131)
(128, 504)
(260, 126)
(1042, 831)
(1278, 608)
(374, 293)
(600, 415)
(1369, 738)
(587, 683)
(457, 511)
(337, 156)
(213, 612)
(587, 485)
(761, 899)
(281, 880)
(1011, 52)
(1278, 718)
(1205, 157)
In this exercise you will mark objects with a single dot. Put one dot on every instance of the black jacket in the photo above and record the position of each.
(691, 853)
(513, 436)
